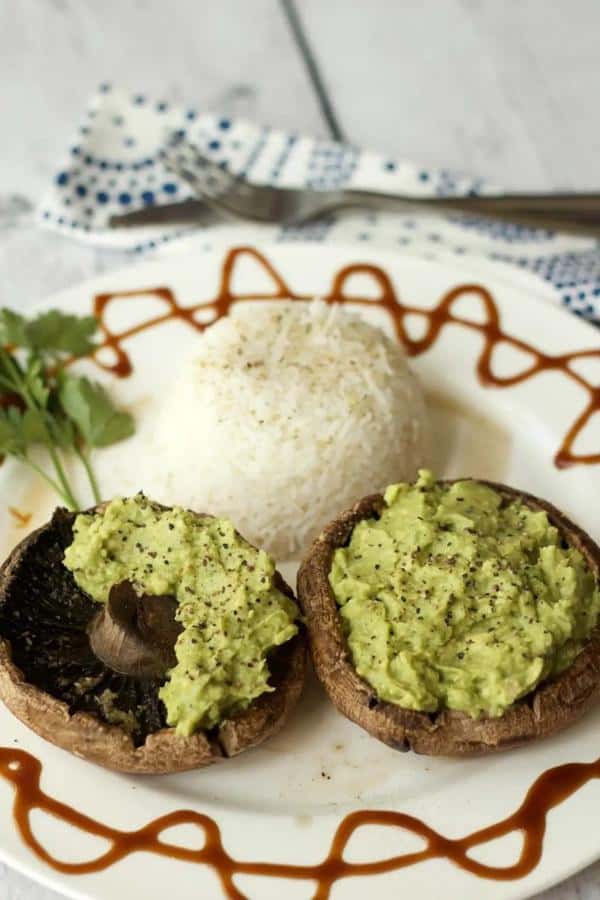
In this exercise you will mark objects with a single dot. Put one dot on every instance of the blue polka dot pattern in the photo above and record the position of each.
(330, 166)
(505, 231)
(118, 165)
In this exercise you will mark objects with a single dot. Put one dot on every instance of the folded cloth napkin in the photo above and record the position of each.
(114, 166)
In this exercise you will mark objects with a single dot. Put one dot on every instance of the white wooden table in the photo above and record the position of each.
(506, 90)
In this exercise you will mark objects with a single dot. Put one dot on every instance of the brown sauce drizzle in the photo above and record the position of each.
(23, 771)
(21, 518)
(436, 320)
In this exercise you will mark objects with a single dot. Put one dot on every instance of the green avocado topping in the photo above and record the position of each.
(452, 599)
(231, 613)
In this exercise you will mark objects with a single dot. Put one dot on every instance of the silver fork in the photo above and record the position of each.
(235, 197)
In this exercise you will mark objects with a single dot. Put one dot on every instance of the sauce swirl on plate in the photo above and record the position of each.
(23, 771)
(205, 313)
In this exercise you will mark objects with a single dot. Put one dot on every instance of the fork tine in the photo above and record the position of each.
(217, 187)
(184, 155)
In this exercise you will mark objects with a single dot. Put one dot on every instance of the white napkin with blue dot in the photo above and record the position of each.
(114, 166)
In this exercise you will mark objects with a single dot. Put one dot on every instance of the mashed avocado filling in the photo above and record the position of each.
(453, 600)
(232, 615)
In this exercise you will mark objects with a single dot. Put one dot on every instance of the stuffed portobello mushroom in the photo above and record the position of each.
(454, 618)
(147, 639)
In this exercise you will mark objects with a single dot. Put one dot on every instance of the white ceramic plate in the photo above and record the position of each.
(283, 802)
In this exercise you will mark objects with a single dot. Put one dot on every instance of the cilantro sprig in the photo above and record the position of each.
(42, 404)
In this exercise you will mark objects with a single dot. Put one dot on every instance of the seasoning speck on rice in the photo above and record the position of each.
(286, 414)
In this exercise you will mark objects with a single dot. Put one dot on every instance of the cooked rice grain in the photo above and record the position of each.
(286, 414)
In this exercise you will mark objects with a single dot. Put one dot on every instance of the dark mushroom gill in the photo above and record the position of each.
(46, 617)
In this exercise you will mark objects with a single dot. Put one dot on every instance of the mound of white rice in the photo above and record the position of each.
(287, 414)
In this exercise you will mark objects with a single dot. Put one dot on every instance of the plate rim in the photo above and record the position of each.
(37, 871)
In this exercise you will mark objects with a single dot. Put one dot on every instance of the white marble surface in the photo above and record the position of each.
(506, 90)
(502, 89)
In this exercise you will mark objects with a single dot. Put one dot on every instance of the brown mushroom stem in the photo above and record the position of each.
(135, 635)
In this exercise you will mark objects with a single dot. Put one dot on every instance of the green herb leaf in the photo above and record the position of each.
(58, 332)
(47, 405)
(52, 332)
(63, 431)
(34, 383)
(13, 328)
(19, 430)
(33, 429)
(10, 372)
(92, 410)
(11, 443)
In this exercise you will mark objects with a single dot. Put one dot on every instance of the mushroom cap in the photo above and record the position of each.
(551, 706)
(45, 652)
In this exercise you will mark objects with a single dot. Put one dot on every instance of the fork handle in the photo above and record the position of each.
(577, 213)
